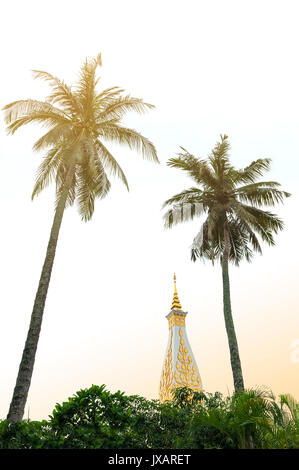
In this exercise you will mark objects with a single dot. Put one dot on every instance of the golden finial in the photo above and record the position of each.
(175, 302)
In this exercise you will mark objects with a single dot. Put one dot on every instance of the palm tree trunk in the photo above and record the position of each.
(17, 405)
(229, 323)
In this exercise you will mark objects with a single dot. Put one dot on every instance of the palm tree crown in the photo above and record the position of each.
(231, 198)
(79, 119)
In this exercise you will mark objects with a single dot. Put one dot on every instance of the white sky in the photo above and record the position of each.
(209, 68)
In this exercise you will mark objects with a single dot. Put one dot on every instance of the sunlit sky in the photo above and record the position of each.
(209, 68)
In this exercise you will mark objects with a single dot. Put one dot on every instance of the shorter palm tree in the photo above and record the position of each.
(231, 199)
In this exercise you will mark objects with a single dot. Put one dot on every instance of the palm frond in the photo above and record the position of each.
(45, 119)
(188, 195)
(263, 193)
(264, 218)
(85, 90)
(182, 212)
(264, 223)
(23, 108)
(116, 133)
(198, 170)
(219, 158)
(46, 171)
(102, 184)
(106, 98)
(89, 154)
(89, 187)
(120, 106)
(291, 404)
(61, 94)
(252, 238)
(61, 175)
(202, 247)
(256, 169)
(57, 135)
(239, 242)
(85, 194)
(108, 161)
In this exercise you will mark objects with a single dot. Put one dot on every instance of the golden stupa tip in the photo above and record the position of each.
(175, 302)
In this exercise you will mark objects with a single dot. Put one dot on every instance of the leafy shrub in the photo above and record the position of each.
(25, 435)
(96, 418)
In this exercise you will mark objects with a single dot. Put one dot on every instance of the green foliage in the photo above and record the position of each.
(95, 418)
(25, 435)
(248, 419)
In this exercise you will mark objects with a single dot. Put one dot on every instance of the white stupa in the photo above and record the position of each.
(179, 368)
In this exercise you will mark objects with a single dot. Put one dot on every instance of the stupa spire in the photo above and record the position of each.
(176, 305)
(179, 367)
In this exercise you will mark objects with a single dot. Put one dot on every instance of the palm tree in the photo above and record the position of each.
(77, 159)
(231, 199)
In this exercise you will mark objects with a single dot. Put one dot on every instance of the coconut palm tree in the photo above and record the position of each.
(79, 120)
(231, 199)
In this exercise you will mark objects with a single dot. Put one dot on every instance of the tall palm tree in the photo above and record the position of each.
(231, 199)
(79, 119)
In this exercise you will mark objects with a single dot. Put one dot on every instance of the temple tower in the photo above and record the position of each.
(179, 368)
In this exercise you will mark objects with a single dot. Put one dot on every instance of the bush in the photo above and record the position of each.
(95, 418)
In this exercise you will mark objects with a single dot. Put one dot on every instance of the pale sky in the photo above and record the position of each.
(209, 68)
